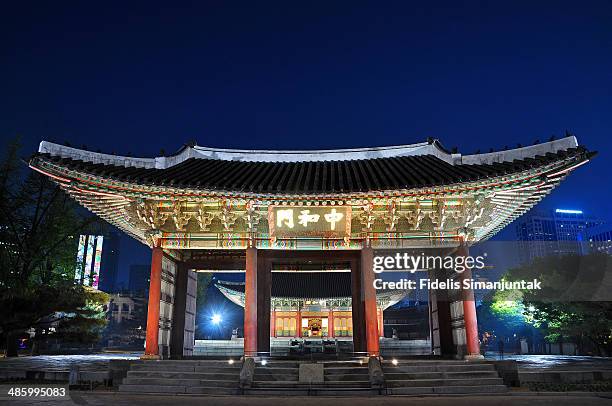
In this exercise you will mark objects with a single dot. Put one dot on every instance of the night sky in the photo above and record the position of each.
(140, 77)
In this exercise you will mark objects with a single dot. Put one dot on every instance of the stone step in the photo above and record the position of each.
(185, 368)
(276, 370)
(347, 377)
(277, 384)
(153, 388)
(210, 363)
(345, 364)
(270, 377)
(298, 385)
(180, 382)
(311, 391)
(176, 389)
(443, 382)
(440, 375)
(213, 390)
(455, 390)
(438, 368)
(356, 370)
(278, 364)
(184, 375)
(169, 368)
(346, 384)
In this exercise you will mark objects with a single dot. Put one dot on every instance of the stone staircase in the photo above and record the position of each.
(185, 376)
(349, 375)
(275, 376)
(282, 377)
(340, 378)
(414, 377)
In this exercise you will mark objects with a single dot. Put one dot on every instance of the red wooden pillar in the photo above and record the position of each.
(299, 322)
(369, 298)
(250, 303)
(381, 327)
(469, 309)
(357, 320)
(152, 343)
(330, 323)
(273, 324)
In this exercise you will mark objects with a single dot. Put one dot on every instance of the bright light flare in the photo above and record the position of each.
(394, 362)
(216, 318)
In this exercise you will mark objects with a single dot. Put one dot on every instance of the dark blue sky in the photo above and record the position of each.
(141, 77)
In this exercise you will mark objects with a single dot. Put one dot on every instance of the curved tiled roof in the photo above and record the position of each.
(305, 285)
(304, 177)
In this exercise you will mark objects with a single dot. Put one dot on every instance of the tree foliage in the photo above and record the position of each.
(575, 302)
(204, 282)
(39, 228)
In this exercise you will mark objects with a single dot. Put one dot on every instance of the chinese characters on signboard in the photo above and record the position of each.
(301, 221)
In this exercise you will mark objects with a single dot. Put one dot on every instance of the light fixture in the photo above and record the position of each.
(566, 211)
(394, 362)
(216, 318)
(264, 362)
(230, 361)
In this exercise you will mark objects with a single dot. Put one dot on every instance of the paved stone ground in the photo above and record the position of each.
(90, 362)
(100, 361)
(505, 400)
(559, 362)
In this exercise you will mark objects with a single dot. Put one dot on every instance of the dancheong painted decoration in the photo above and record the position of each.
(274, 214)
(402, 196)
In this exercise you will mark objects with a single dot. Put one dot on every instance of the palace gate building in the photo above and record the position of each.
(259, 212)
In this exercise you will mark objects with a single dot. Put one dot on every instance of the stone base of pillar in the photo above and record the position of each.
(150, 357)
(473, 357)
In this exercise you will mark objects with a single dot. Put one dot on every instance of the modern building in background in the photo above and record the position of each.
(110, 263)
(97, 260)
(598, 238)
(139, 278)
(556, 232)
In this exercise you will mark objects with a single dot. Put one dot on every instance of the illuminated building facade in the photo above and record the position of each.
(598, 239)
(556, 232)
(97, 260)
(259, 212)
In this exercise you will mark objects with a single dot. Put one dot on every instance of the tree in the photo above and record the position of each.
(38, 228)
(575, 301)
(204, 282)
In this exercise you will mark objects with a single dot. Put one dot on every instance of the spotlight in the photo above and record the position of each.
(264, 362)
(231, 361)
(394, 362)
(216, 318)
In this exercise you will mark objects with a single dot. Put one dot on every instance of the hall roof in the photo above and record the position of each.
(308, 172)
(305, 285)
